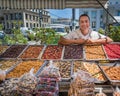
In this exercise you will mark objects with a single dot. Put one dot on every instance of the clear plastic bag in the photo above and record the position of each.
(51, 71)
(2, 75)
(82, 84)
(27, 83)
(117, 92)
(8, 87)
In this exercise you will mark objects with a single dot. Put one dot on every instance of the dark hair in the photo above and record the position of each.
(84, 15)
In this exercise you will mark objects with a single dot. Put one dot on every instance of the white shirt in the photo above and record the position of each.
(77, 34)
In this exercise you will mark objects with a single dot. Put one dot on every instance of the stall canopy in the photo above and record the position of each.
(50, 4)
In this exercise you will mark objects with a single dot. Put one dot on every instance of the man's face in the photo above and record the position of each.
(84, 23)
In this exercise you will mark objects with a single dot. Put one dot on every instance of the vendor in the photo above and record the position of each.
(84, 35)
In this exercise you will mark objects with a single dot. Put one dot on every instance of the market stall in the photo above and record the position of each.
(100, 61)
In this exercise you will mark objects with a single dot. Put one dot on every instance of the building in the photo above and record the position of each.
(96, 17)
(22, 18)
(44, 17)
(114, 9)
(64, 21)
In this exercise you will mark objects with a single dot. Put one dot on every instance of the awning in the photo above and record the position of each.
(49, 4)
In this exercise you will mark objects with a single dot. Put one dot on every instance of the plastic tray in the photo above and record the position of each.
(100, 59)
(112, 59)
(111, 65)
(5, 49)
(96, 81)
(13, 67)
(12, 53)
(53, 58)
(63, 79)
(83, 53)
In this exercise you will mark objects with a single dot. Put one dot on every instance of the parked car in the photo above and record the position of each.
(59, 28)
(2, 34)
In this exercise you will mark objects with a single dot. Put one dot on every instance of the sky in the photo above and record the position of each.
(62, 13)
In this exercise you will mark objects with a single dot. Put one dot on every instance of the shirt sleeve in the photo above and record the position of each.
(102, 36)
(71, 35)
(95, 35)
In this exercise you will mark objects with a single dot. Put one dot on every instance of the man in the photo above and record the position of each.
(84, 35)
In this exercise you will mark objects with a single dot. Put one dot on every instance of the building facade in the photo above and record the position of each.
(114, 9)
(22, 18)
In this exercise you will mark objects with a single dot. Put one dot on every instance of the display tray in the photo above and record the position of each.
(92, 68)
(73, 52)
(24, 66)
(112, 72)
(8, 64)
(13, 52)
(52, 52)
(112, 51)
(41, 68)
(65, 68)
(94, 52)
(30, 52)
(64, 86)
(4, 48)
(104, 88)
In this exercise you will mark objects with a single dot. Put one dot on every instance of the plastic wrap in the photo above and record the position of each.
(48, 81)
(50, 71)
(2, 75)
(82, 84)
(8, 87)
(27, 83)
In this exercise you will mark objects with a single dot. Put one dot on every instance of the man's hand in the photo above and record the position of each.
(90, 41)
(63, 41)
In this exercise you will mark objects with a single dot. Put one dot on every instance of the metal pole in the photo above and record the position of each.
(73, 18)
(40, 17)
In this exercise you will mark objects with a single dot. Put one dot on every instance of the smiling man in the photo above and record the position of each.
(84, 35)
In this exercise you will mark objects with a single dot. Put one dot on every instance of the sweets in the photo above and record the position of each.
(94, 52)
(24, 67)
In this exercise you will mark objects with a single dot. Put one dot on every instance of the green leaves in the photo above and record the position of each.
(46, 36)
(115, 33)
(15, 38)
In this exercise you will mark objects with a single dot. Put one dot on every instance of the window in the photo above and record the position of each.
(12, 25)
(116, 2)
(26, 24)
(20, 16)
(33, 17)
(34, 25)
(94, 24)
(30, 25)
(7, 25)
(6, 17)
(30, 17)
(85, 12)
(93, 14)
(118, 13)
(37, 25)
(11, 16)
(26, 16)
